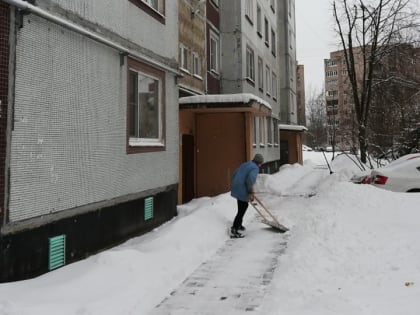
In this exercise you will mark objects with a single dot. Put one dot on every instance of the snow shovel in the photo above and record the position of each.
(274, 223)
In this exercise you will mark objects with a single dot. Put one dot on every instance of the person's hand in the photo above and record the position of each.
(251, 196)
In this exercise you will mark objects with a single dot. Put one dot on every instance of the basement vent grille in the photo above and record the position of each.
(57, 252)
(148, 208)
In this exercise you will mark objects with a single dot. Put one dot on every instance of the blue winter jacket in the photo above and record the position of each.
(243, 179)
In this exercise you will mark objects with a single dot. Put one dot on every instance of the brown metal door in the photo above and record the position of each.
(221, 148)
(187, 168)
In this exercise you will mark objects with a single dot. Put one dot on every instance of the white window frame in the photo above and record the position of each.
(273, 43)
(214, 55)
(259, 20)
(137, 139)
(268, 80)
(262, 130)
(249, 9)
(250, 64)
(196, 65)
(156, 5)
(276, 132)
(260, 74)
(184, 58)
(269, 131)
(274, 86)
(266, 32)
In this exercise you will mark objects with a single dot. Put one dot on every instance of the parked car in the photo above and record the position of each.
(306, 148)
(361, 179)
(401, 175)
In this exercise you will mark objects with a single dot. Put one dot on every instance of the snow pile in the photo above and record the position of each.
(352, 249)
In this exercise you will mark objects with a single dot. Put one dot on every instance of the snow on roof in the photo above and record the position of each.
(293, 127)
(223, 98)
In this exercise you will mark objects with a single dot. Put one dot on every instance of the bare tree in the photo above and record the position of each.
(366, 30)
(317, 119)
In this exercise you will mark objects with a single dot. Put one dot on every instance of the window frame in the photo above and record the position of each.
(266, 32)
(216, 39)
(159, 14)
(274, 86)
(196, 65)
(250, 64)
(273, 43)
(260, 74)
(249, 10)
(268, 80)
(184, 59)
(259, 21)
(262, 129)
(138, 144)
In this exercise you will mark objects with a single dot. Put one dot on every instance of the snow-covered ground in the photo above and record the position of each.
(351, 249)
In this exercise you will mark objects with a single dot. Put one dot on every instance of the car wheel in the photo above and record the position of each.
(414, 190)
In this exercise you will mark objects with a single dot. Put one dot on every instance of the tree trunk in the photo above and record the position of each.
(363, 144)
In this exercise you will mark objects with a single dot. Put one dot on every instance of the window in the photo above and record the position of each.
(214, 52)
(145, 108)
(196, 65)
(184, 56)
(269, 132)
(155, 8)
(274, 86)
(262, 131)
(331, 73)
(250, 64)
(273, 42)
(272, 5)
(267, 80)
(259, 21)
(276, 132)
(254, 140)
(260, 74)
(215, 2)
(332, 93)
(266, 34)
(249, 12)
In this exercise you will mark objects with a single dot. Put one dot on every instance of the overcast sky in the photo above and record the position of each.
(315, 40)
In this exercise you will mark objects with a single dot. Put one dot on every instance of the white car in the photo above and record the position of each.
(401, 175)
(306, 148)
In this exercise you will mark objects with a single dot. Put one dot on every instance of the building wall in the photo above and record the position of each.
(72, 170)
(70, 125)
(239, 31)
(287, 52)
(212, 26)
(300, 94)
(4, 99)
(192, 25)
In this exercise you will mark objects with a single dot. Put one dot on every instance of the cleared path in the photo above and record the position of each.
(234, 281)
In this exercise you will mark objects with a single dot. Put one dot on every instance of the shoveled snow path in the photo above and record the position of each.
(230, 282)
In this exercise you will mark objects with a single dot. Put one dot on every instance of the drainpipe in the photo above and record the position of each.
(27, 7)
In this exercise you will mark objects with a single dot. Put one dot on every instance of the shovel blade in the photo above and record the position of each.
(276, 225)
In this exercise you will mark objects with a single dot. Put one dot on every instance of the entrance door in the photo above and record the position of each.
(221, 148)
(284, 152)
(187, 168)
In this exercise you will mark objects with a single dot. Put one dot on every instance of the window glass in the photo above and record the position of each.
(214, 52)
(145, 107)
(144, 101)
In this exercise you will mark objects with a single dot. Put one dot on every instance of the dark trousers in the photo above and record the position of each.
(242, 206)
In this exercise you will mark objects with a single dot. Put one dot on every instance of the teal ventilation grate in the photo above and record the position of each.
(148, 208)
(57, 252)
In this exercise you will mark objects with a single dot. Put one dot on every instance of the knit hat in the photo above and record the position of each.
(258, 158)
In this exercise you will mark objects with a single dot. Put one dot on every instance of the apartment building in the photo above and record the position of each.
(89, 127)
(300, 95)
